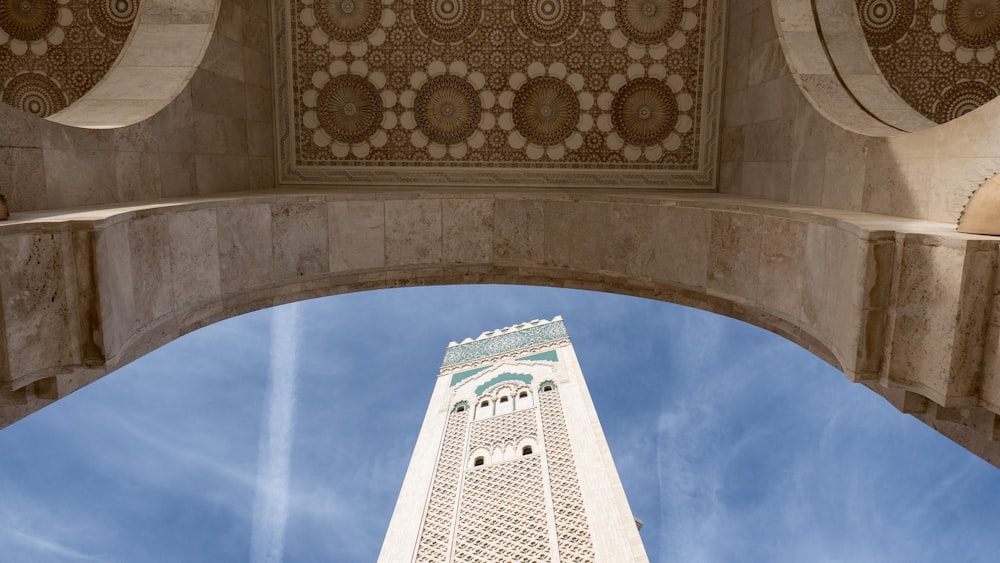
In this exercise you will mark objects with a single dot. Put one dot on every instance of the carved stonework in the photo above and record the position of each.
(34, 93)
(651, 28)
(448, 111)
(973, 24)
(348, 109)
(548, 21)
(494, 345)
(644, 111)
(546, 110)
(962, 98)
(501, 93)
(885, 21)
(54, 51)
(340, 26)
(114, 18)
(940, 55)
(448, 21)
(29, 20)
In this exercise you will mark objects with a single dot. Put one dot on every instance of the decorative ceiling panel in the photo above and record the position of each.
(53, 51)
(500, 93)
(940, 55)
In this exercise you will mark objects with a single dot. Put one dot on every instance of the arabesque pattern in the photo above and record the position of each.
(939, 55)
(572, 529)
(435, 533)
(503, 343)
(544, 61)
(503, 514)
(53, 51)
(502, 429)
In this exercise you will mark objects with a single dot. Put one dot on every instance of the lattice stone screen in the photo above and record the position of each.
(527, 485)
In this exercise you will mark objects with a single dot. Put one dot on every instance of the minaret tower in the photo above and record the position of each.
(511, 464)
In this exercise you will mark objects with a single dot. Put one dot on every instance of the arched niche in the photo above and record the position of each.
(162, 52)
(907, 308)
(826, 51)
(886, 67)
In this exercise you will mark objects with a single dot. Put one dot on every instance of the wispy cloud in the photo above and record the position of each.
(270, 513)
(752, 449)
(49, 546)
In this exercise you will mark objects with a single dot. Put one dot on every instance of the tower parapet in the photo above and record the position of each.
(499, 343)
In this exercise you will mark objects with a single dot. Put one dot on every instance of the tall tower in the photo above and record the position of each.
(511, 464)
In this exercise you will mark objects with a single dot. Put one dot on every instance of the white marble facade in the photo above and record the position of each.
(511, 463)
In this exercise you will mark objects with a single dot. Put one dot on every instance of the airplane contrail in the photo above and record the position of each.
(270, 507)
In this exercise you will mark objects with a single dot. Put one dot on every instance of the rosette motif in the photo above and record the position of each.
(548, 22)
(546, 111)
(885, 21)
(448, 21)
(349, 109)
(348, 25)
(649, 26)
(33, 24)
(961, 98)
(114, 18)
(968, 28)
(645, 112)
(447, 109)
(34, 93)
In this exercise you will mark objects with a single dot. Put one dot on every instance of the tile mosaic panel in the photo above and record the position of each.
(503, 343)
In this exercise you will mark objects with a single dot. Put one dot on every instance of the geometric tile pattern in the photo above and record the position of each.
(503, 514)
(502, 343)
(575, 544)
(531, 92)
(503, 429)
(54, 51)
(939, 55)
(435, 533)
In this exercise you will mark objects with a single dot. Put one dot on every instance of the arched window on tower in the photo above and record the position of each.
(527, 447)
(504, 403)
(480, 460)
(484, 410)
(523, 400)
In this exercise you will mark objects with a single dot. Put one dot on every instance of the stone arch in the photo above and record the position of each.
(907, 308)
(162, 53)
(826, 51)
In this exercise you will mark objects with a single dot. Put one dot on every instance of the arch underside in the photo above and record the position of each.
(906, 306)
(164, 48)
(92, 291)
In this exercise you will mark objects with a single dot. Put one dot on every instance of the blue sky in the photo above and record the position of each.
(732, 443)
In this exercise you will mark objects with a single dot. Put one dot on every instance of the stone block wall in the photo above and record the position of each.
(215, 136)
(777, 145)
